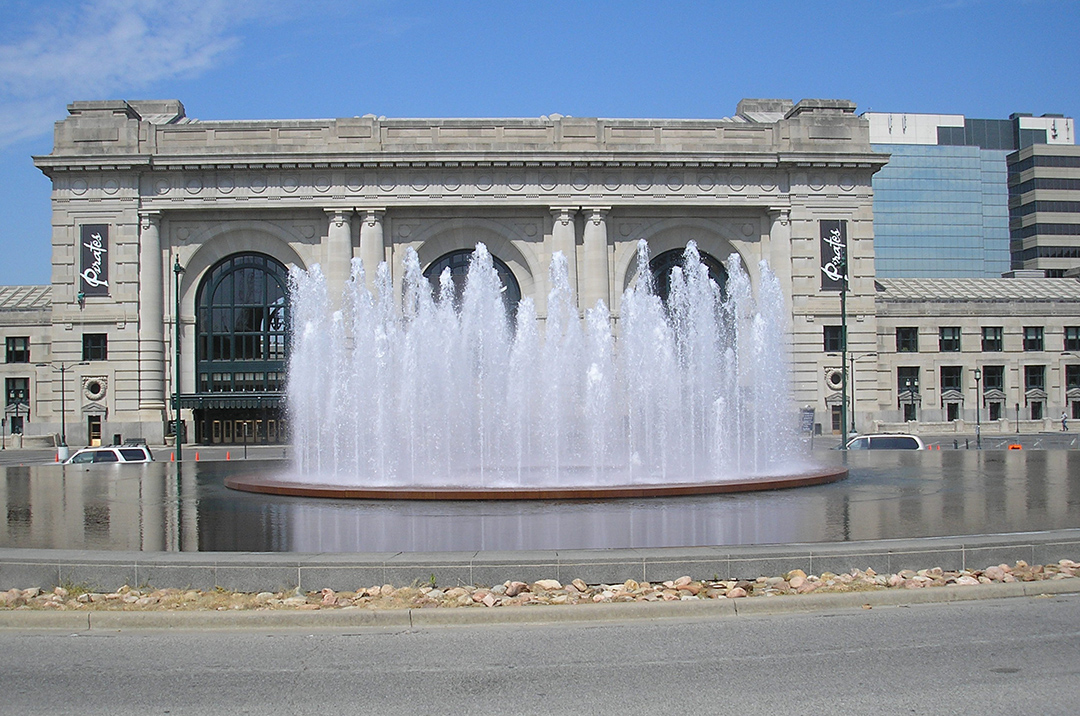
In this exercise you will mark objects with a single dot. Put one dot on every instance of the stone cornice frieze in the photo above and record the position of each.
(298, 184)
(277, 162)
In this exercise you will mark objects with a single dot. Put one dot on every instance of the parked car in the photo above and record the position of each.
(886, 442)
(111, 453)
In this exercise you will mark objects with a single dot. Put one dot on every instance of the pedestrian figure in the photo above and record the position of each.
(1064, 422)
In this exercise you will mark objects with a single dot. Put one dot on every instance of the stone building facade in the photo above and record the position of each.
(229, 200)
(233, 203)
(1022, 335)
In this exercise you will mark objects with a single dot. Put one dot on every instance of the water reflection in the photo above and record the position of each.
(169, 507)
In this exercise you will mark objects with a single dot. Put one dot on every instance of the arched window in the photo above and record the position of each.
(661, 270)
(241, 325)
(458, 263)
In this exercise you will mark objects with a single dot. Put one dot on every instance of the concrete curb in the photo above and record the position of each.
(546, 614)
(256, 572)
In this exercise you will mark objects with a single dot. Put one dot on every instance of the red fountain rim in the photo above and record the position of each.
(270, 486)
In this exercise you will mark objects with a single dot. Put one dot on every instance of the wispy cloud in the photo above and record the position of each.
(93, 49)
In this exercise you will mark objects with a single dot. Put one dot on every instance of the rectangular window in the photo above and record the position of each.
(18, 349)
(95, 346)
(907, 391)
(993, 377)
(949, 339)
(17, 391)
(1072, 338)
(951, 377)
(834, 338)
(991, 339)
(907, 340)
(907, 378)
(1072, 376)
(1033, 338)
(1034, 377)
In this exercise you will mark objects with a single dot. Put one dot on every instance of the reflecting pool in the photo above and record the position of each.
(185, 507)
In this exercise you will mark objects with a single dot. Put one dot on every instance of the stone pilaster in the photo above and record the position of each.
(372, 250)
(564, 238)
(594, 282)
(338, 253)
(777, 248)
(151, 316)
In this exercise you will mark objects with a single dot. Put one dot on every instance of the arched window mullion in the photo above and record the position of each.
(244, 329)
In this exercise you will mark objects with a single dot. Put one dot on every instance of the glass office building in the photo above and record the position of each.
(941, 205)
(941, 212)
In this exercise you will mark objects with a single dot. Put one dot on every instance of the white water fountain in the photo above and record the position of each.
(442, 391)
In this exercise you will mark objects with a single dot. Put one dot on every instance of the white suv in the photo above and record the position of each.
(112, 453)
(886, 442)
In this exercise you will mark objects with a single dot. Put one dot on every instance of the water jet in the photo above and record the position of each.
(455, 393)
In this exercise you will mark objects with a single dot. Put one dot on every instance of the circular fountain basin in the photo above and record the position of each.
(271, 485)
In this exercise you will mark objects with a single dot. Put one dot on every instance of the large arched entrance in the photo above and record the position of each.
(662, 265)
(458, 262)
(241, 350)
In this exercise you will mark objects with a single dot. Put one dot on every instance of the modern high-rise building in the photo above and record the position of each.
(1044, 208)
(941, 205)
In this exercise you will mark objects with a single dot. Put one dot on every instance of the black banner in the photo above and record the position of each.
(95, 260)
(834, 271)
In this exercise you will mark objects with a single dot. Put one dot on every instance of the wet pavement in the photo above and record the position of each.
(167, 506)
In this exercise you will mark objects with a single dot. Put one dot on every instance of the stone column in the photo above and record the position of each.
(151, 317)
(594, 282)
(564, 238)
(338, 253)
(372, 250)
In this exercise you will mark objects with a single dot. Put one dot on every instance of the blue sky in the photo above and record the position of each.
(289, 59)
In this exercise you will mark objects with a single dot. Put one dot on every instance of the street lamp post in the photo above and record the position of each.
(853, 359)
(843, 261)
(177, 270)
(62, 452)
(907, 392)
(978, 410)
(17, 395)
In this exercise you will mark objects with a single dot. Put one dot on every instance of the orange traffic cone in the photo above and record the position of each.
(196, 457)
(172, 457)
(226, 454)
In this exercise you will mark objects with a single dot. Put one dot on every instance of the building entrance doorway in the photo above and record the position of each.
(238, 426)
(93, 430)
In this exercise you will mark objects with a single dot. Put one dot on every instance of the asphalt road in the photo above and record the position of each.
(1017, 656)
